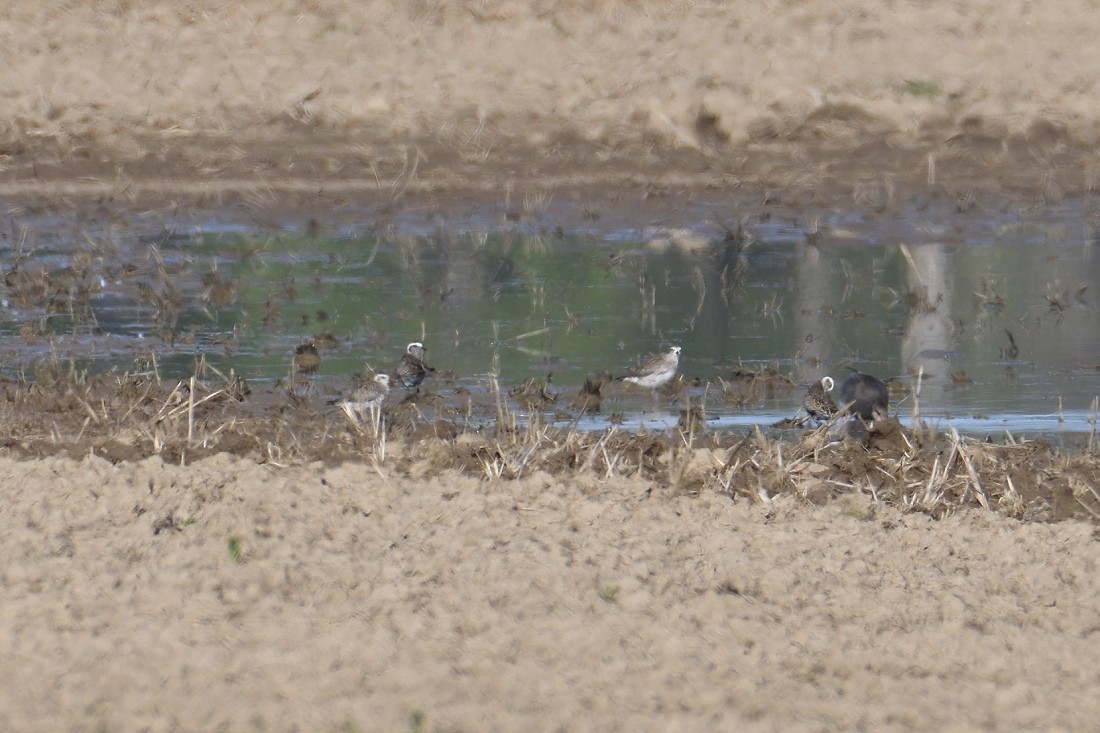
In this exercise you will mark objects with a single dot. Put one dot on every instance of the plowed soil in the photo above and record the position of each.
(195, 560)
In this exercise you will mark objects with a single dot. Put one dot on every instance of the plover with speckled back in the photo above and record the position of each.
(411, 370)
(817, 402)
(367, 399)
(655, 370)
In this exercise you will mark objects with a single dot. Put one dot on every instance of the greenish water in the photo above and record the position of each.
(528, 304)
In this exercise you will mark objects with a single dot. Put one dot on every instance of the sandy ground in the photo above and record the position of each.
(234, 595)
(164, 103)
(358, 600)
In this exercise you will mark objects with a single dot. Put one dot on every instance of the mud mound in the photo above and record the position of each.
(129, 418)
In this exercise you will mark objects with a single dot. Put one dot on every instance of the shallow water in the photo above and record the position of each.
(927, 291)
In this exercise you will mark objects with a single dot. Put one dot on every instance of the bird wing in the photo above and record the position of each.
(649, 364)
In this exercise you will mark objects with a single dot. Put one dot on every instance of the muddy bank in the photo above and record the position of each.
(125, 418)
(282, 103)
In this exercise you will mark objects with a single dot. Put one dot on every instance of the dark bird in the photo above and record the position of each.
(411, 370)
(865, 396)
(817, 402)
(588, 397)
(655, 370)
(307, 360)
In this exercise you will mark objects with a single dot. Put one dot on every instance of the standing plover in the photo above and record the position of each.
(817, 402)
(655, 370)
(411, 370)
(865, 396)
(367, 398)
(307, 360)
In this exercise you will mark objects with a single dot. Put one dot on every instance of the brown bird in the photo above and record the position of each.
(655, 370)
(306, 359)
(817, 402)
(367, 398)
(588, 397)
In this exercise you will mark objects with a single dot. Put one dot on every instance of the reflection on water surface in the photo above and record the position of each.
(999, 319)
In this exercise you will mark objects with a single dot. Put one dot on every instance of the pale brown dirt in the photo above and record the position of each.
(287, 101)
(549, 603)
(363, 595)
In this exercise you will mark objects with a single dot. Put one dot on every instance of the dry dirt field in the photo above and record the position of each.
(175, 566)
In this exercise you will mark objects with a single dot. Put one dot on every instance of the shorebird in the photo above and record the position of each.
(588, 397)
(367, 398)
(535, 393)
(817, 402)
(411, 370)
(306, 359)
(865, 396)
(655, 370)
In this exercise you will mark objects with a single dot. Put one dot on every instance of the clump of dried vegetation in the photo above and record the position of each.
(130, 416)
